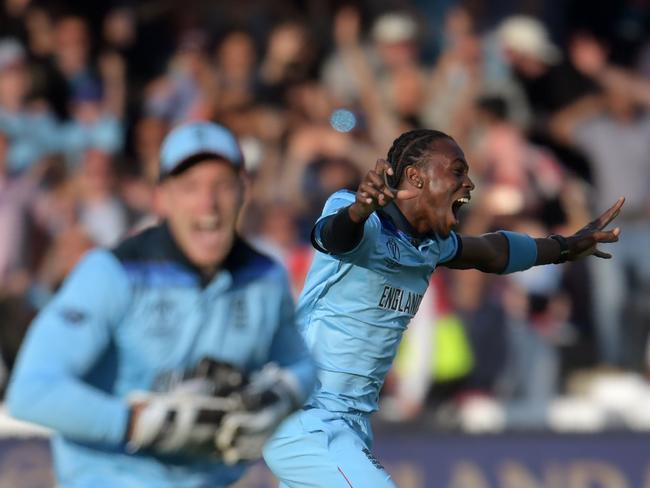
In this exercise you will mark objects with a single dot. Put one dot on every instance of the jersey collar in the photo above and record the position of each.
(397, 218)
(233, 261)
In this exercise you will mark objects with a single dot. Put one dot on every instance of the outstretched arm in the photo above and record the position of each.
(506, 252)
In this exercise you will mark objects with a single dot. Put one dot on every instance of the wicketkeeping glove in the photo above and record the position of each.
(270, 397)
(169, 423)
(186, 409)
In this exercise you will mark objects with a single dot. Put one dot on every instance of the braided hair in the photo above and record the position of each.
(408, 149)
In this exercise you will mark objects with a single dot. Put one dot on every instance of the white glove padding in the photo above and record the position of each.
(210, 378)
(169, 423)
(271, 396)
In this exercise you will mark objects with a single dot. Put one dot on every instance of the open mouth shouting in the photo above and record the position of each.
(455, 206)
(207, 231)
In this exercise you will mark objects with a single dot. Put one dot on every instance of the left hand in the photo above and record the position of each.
(269, 399)
(583, 243)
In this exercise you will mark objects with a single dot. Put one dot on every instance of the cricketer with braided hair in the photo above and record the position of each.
(377, 250)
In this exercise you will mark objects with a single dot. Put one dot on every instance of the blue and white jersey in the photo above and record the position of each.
(355, 306)
(125, 318)
(31, 134)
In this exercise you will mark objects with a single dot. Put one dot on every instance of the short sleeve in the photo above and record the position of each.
(449, 248)
(371, 229)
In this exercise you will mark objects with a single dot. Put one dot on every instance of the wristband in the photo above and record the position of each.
(564, 248)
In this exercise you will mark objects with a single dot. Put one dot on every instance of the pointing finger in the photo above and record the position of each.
(609, 214)
(381, 167)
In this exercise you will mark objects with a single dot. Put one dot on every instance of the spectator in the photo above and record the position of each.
(101, 213)
(185, 92)
(30, 128)
(91, 127)
(613, 130)
(236, 64)
(16, 200)
(72, 52)
(288, 60)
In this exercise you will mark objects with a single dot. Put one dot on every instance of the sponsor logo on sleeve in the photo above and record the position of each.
(373, 460)
(239, 312)
(73, 316)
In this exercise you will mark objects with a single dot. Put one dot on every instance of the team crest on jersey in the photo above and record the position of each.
(398, 300)
(162, 312)
(393, 248)
(239, 311)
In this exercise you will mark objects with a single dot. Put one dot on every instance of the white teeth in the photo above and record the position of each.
(207, 223)
(463, 200)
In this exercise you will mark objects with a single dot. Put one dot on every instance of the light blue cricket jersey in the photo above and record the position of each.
(124, 318)
(355, 306)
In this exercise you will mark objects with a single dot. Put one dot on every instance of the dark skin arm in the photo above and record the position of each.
(489, 252)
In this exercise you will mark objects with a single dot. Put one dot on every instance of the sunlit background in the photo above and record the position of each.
(538, 379)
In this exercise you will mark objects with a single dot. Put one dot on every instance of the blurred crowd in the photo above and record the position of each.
(550, 104)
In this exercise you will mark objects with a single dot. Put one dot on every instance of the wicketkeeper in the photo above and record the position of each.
(169, 360)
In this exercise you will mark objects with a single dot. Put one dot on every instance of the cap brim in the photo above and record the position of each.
(190, 161)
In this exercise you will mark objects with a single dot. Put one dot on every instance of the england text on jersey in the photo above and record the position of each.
(399, 300)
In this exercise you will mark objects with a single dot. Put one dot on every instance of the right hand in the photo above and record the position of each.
(171, 423)
(374, 192)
